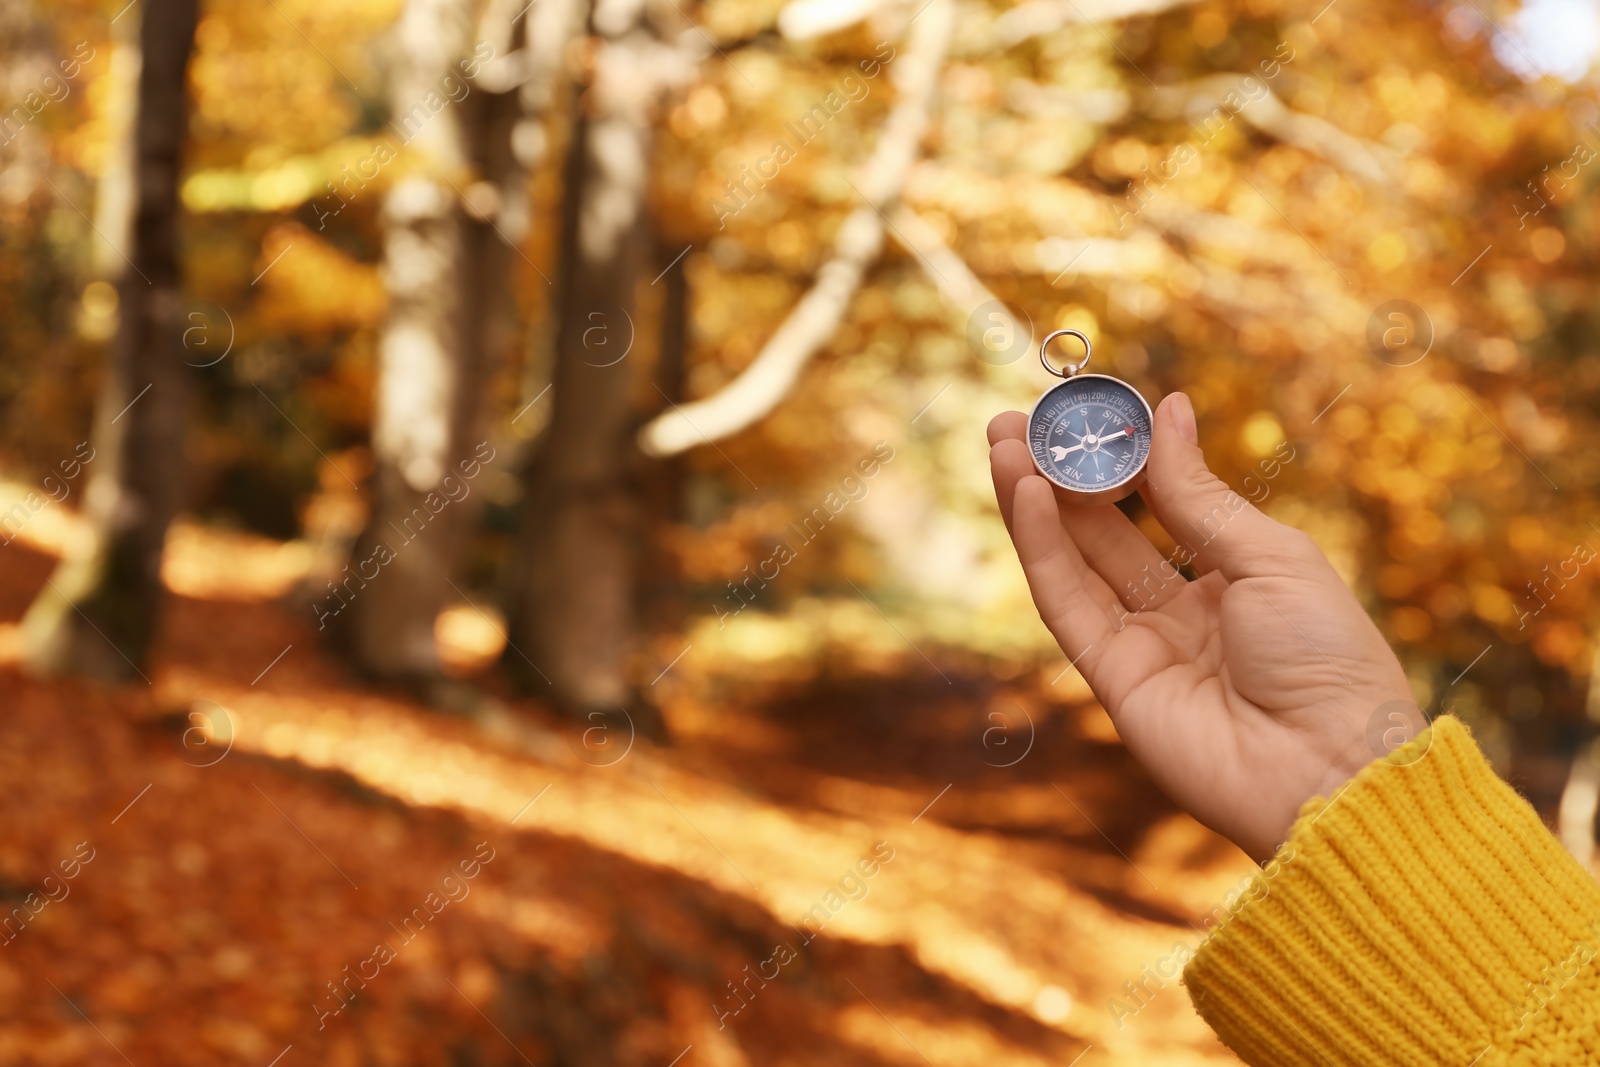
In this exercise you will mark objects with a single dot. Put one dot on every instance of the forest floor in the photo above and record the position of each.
(238, 875)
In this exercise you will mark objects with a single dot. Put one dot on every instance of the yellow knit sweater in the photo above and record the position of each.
(1421, 915)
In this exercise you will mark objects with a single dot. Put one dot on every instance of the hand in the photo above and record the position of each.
(1243, 693)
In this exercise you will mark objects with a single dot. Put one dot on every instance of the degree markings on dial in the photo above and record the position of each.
(1110, 447)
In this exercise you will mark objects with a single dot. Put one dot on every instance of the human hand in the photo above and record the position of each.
(1244, 693)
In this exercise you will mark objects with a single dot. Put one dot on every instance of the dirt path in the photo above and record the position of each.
(1005, 908)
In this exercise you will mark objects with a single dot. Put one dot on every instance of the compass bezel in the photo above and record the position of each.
(1111, 493)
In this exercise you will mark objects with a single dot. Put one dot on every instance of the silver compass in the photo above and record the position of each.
(1089, 435)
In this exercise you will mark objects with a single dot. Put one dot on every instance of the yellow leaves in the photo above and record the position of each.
(271, 78)
(1350, 422)
(733, 19)
(281, 187)
(790, 245)
(1530, 427)
(1260, 434)
(1489, 128)
(1184, 280)
(1424, 179)
(1511, 296)
(1492, 604)
(1438, 459)
(294, 181)
(1387, 251)
(1561, 643)
(1208, 27)
(1424, 529)
(1410, 624)
(97, 317)
(1396, 581)
(1526, 535)
(1395, 91)
(1546, 243)
(1399, 420)
(212, 33)
(1500, 355)
(1070, 317)
(705, 107)
(1121, 158)
(1311, 96)
(1389, 450)
(1414, 99)
(1284, 163)
(310, 287)
(705, 556)
(1447, 602)
(970, 83)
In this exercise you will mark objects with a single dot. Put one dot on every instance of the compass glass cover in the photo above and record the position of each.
(1090, 434)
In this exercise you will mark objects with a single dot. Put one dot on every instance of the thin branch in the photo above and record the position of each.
(763, 384)
(801, 20)
(1249, 98)
(960, 286)
(1039, 17)
(1100, 105)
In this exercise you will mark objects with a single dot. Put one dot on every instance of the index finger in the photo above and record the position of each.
(1073, 601)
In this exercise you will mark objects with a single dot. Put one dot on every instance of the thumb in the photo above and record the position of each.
(1215, 527)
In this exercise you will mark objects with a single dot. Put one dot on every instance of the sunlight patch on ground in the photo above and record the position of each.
(966, 905)
(212, 564)
(564, 932)
(469, 640)
(762, 643)
(899, 1037)
(199, 561)
(31, 518)
(12, 645)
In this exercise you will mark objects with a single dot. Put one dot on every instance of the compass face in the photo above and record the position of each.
(1091, 435)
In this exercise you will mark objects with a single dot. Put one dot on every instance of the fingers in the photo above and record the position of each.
(1008, 424)
(1072, 599)
(1111, 545)
(1213, 525)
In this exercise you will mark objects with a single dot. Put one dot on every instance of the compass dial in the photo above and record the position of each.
(1091, 435)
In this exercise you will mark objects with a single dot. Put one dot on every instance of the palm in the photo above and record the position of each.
(1242, 693)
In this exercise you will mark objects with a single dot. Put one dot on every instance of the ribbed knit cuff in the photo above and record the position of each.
(1421, 915)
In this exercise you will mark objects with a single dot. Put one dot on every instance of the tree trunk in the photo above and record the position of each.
(98, 614)
(1580, 800)
(1580, 797)
(440, 267)
(577, 609)
(661, 596)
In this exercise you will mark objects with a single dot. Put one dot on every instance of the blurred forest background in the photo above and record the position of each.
(439, 429)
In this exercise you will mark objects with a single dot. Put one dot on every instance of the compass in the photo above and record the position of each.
(1090, 435)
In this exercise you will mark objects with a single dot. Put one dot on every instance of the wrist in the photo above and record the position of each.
(1323, 775)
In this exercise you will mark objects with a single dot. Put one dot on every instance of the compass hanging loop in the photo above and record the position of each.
(1071, 368)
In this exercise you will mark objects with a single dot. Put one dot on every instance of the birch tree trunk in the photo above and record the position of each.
(98, 613)
(430, 362)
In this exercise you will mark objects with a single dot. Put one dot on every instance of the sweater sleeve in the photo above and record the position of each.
(1421, 915)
